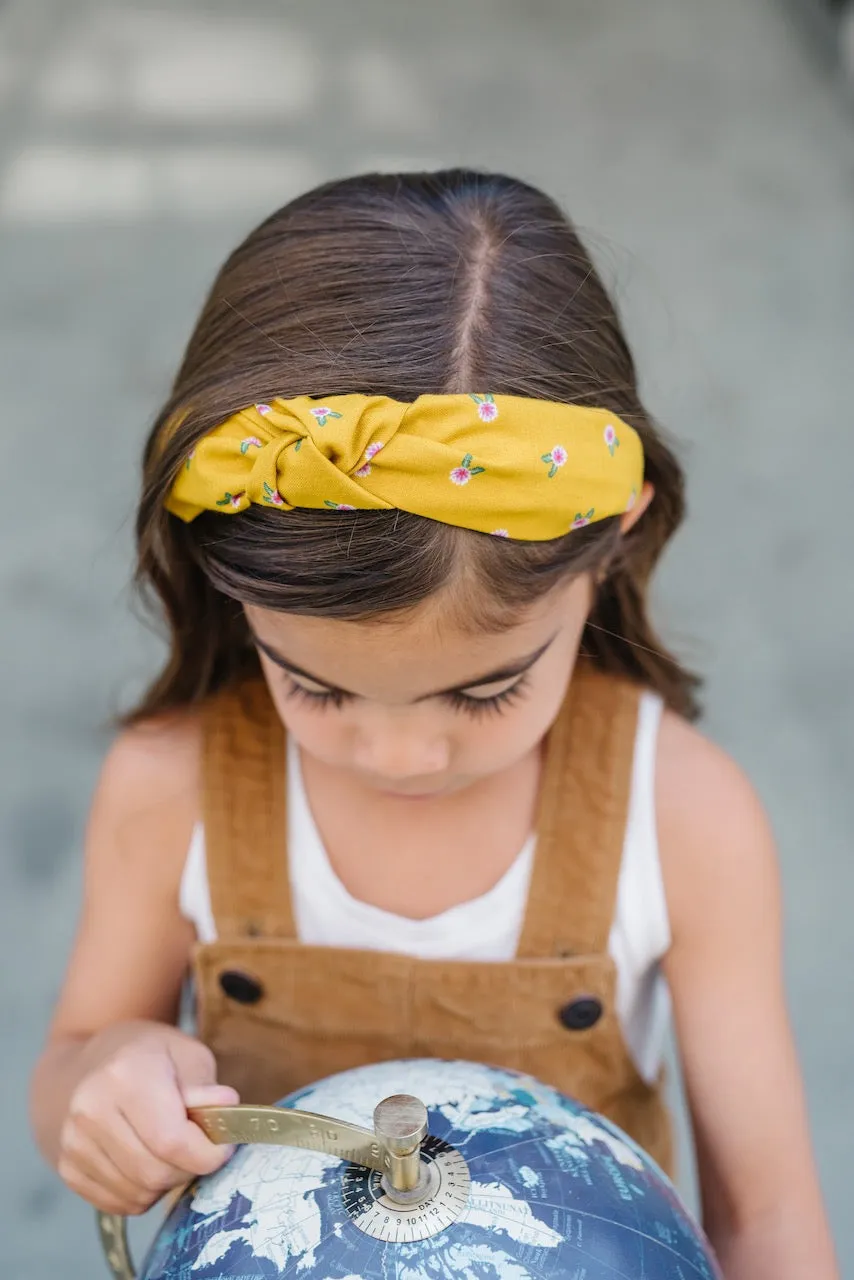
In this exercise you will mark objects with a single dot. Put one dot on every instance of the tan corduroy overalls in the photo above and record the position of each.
(279, 1014)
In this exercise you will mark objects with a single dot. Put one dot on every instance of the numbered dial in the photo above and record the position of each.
(446, 1195)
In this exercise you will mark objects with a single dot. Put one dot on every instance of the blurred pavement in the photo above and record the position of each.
(711, 155)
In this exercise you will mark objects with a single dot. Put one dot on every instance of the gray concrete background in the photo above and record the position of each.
(707, 149)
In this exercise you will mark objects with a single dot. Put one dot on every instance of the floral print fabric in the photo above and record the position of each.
(501, 465)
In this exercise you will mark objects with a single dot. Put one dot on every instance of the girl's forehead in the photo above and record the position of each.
(417, 652)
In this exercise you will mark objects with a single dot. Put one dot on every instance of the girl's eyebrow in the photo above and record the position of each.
(507, 672)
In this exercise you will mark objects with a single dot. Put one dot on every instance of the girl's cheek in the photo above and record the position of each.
(322, 742)
(316, 729)
(327, 733)
(527, 724)
(284, 706)
(299, 720)
(498, 741)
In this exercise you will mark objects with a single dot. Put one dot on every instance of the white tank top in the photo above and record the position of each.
(488, 927)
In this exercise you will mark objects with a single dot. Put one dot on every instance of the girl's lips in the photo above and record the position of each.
(412, 795)
(400, 793)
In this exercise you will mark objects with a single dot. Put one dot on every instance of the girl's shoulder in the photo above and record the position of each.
(160, 756)
(693, 770)
(715, 840)
(147, 798)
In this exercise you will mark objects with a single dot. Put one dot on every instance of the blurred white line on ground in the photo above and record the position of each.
(177, 67)
(53, 184)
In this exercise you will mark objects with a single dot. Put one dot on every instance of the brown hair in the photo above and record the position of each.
(397, 285)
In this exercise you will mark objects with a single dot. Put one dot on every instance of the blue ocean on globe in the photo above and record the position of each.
(528, 1184)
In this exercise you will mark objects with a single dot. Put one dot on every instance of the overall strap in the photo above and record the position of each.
(244, 784)
(584, 800)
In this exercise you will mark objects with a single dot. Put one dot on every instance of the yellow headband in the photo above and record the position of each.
(514, 467)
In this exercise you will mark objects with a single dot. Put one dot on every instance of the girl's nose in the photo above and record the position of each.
(395, 748)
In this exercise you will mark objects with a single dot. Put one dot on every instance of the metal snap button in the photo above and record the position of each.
(241, 987)
(581, 1014)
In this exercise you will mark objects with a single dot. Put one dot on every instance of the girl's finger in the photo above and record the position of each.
(122, 1146)
(159, 1119)
(213, 1095)
(90, 1172)
(147, 1094)
(91, 1190)
(210, 1095)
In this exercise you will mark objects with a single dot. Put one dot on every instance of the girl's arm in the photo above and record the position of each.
(762, 1205)
(109, 1093)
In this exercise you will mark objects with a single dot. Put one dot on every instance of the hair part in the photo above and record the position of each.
(398, 285)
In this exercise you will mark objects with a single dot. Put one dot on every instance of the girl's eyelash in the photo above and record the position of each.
(316, 697)
(474, 707)
(498, 702)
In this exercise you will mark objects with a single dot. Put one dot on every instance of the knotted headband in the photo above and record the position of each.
(505, 465)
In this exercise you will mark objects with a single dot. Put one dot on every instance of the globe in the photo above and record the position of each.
(523, 1183)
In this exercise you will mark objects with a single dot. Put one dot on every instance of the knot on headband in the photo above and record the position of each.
(505, 465)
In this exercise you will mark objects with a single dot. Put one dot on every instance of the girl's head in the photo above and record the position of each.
(401, 286)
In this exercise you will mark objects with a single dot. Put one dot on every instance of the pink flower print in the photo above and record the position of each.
(231, 500)
(633, 497)
(464, 472)
(371, 452)
(323, 413)
(612, 440)
(249, 442)
(273, 496)
(338, 506)
(580, 521)
(487, 409)
(500, 533)
(264, 409)
(556, 458)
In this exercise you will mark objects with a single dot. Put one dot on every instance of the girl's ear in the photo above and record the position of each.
(631, 517)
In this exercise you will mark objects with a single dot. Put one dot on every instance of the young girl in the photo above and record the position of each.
(418, 777)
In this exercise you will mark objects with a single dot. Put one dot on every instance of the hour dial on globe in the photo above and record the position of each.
(438, 1203)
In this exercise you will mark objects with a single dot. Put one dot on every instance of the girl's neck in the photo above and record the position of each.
(417, 858)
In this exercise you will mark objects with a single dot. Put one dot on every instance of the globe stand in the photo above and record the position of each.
(392, 1149)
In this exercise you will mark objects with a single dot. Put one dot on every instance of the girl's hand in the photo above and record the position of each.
(126, 1138)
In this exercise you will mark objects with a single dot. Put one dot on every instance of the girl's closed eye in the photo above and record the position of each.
(472, 704)
(316, 697)
(482, 704)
